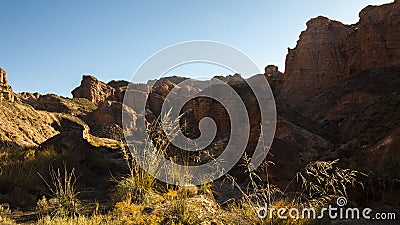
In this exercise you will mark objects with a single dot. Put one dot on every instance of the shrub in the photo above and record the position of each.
(62, 187)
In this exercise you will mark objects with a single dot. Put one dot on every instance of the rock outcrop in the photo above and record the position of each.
(28, 98)
(106, 120)
(318, 61)
(161, 88)
(376, 42)
(92, 89)
(98, 92)
(121, 86)
(328, 51)
(275, 78)
(352, 106)
(6, 92)
(55, 103)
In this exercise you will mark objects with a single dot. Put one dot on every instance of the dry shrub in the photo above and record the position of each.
(63, 189)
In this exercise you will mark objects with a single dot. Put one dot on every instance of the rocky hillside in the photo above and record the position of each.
(363, 111)
(328, 51)
(22, 125)
(339, 98)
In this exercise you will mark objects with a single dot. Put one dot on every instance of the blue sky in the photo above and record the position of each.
(46, 46)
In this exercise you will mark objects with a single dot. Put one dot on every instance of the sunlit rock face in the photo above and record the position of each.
(92, 89)
(328, 51)
(6, 92)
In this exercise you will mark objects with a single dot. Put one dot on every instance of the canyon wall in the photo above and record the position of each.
(328, 51)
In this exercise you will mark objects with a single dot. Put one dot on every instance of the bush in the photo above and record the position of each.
(63, 189)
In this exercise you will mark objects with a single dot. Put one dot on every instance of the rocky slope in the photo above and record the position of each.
(338, 98)
(328, 51)
(54, 103)
(363, 110)
(24, 126)
(293, 138)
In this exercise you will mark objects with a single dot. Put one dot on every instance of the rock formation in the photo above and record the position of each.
(275, 78)
(328, 51)
(140, 90)
(272, 72)
(6, 92)
(98, 92)
(28, 98)
(93, 89)
(54, 103)
(376, 41)
(317, 62)
(106, 120)
(24, 126)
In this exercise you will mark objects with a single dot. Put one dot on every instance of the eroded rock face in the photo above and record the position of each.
(55, 103)
(318, 61)
(120, 87)
(109, 113)
(275, 78)
(376, 42)
(6, 92)
(24, 126)
(3, 77)
(28, 98)
(170, 86)
(353, 106)
(97, 91)
(106, 120)
(328, 51)
(94, 90)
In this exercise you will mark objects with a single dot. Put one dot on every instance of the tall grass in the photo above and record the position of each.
(63, 189)
(138, 186)
(140, 183)
(141, 188)
(141, 199)
(323, 182)
(320, 184)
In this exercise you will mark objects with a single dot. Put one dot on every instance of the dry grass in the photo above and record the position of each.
(323, 182)
(138, 186)
(141, 199)
(5, 216)
(63, 189)
(193, 206)
(19, 181)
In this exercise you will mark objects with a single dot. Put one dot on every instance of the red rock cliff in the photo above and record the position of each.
(328, 51)
(93, 90)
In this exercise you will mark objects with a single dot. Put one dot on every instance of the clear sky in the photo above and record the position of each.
(46, 46)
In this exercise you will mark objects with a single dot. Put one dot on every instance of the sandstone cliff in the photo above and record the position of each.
(93, 90)
(362, 111)
(328, 51)
(6, 92)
